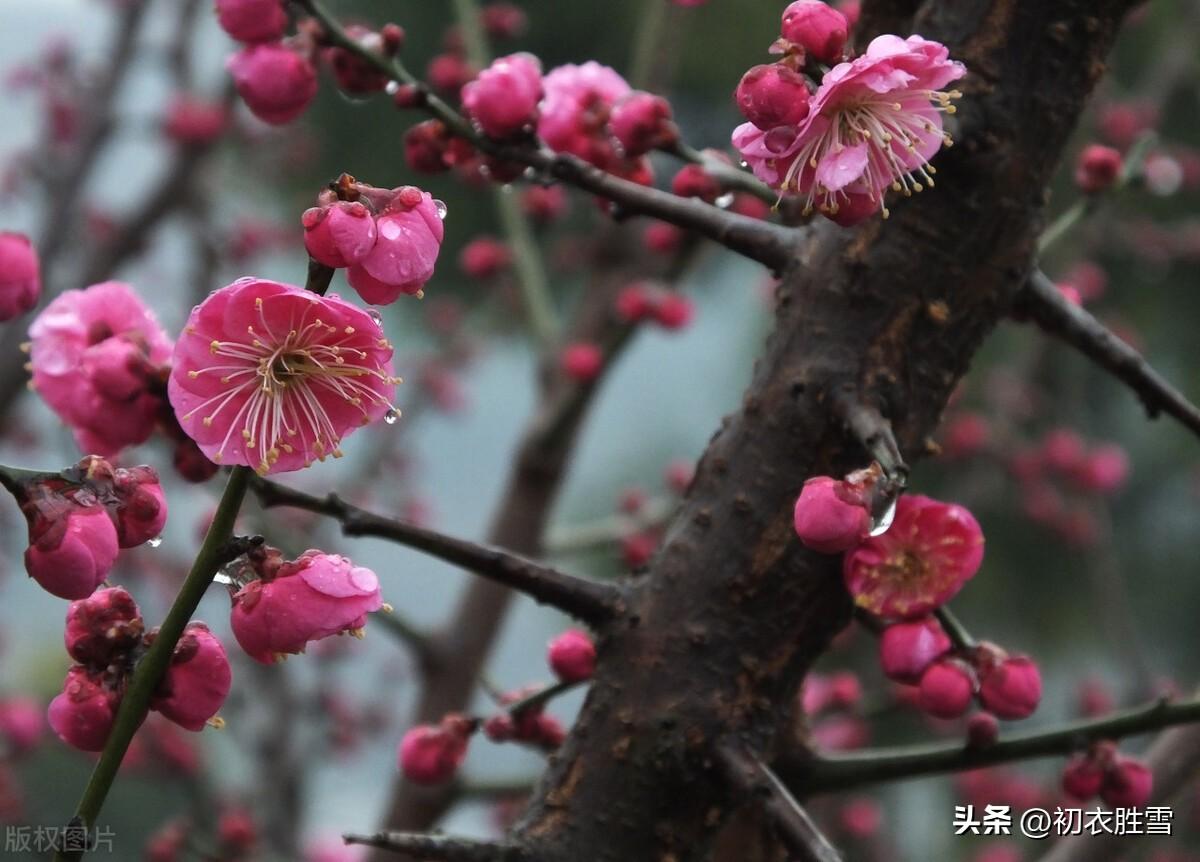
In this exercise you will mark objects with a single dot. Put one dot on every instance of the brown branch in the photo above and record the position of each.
(587, 600)
(439, 848)
(767, 243)
(753, 778)
(1042, 301)
(871, 429)
(835, 773)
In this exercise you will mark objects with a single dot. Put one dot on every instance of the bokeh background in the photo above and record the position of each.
(1100, 589)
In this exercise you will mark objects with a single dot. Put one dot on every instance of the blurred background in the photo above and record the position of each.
(1097, 580)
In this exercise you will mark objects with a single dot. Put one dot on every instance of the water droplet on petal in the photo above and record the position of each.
(155, 542)
(724, 201)
(374, 314)
(883, 515)
(392, 416)
(392, 88)
(440, 207)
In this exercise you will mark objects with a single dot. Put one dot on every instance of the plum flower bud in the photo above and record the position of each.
(982, 730)
(919, 564)
(772, 95)
(1128, 783)
(431, 754)
(1012, 688)
(236, 831)
(355, 75)
(946, 688)
(21, 724)
(582, 361)
(1098, 168)
(906, 649)
(693, 181)
(1083, 777)
(634, 303)
(102, 627)
(73, 553)
(338, 233)
(20, 275)
(830, 515)
(82, 715)
(425, 147)
(817, 28)
(141, 513)
(572, 656)
(315, 596)
(406, 248)
(196, 682)
(194, 121)
(673, 311)
(642, 122)
(1103, 470)
(252, 20)
(503, 100)
(484, 257)
(276, 83)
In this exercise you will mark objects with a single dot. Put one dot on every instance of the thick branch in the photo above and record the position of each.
(1042, 301)
(846, 771)
(759, 240)
(439, 848)
(752, 777)
(587, 600)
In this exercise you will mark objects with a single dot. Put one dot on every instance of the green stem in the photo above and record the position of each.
(956, 631)
(541, 697)
(646, 45)
(531, 273)
(15, 479)
(214, 552)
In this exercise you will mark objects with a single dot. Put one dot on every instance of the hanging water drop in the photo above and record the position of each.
(392, 88)
(373, 313)
(392, 416)
(440, 207)
(884, 512)
(155, 542)
(724, 201)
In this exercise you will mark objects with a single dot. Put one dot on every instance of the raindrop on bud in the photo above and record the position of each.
(440, 206)
(155, 542)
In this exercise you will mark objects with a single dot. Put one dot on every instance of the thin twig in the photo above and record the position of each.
(440, 848)
(832, 773)
(955, 630)
(587, 600)
(1054, 313)
(752, 777)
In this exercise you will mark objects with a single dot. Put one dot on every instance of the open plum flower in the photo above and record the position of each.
(919, 564)
(271, 376)
(873, 124)
(95, 354)
(293, 602)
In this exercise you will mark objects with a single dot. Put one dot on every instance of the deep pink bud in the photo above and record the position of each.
(354, 74)
(448, 72)
(1063, 450)
(195, 121)
(1098, 168)
(845, 690)
(102, 627)
(252, 20)
(634, 303)
(673, 311)
(1083, 776)
(582, 361)
(21, 724)
(1012, 688)
(1104, 469)
(20, 275)
(406, 249)
(82, 715)
(642, 122)
(861, 817)
(851, 9)
(546, 731)
(276, 83)
(339, 234)
(141, 512)
(817, 28)
(425, 147)
(679, 474)
(503, 20)
(772, 95)
(236, 831)
(116, 367)
(662, 238)
(638, 548)
(692, 181)
(572, 656)
(544, 203)
(432, 754)
(503, 100)
(830, 516)
(500, 727)
(966, 435)
(73, 554)
(484, 257)
(197, 680)
(1127, 783)
(946, 689)
(1093, 698)
(906, 649)
(982, 730)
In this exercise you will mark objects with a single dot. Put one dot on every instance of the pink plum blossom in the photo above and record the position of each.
(271, 376)
(196, 682)
(920, 563)
(82, 715)
(312, 597)
(830, 515)
(252, 20)
(94, 355)
(70, 555)
(339, 233)
(906, 649)
(276, 82)
(503, 100)
(874, 124)
(1010, 687)
(102, 627)
(815, 28)
(642, 122)
(575, 111)
(409, 236)
(772, 95)
(431, 754)
(20, 275)
(572, 656)
(946, 688)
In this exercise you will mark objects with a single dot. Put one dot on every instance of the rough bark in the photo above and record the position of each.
(733, 612)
